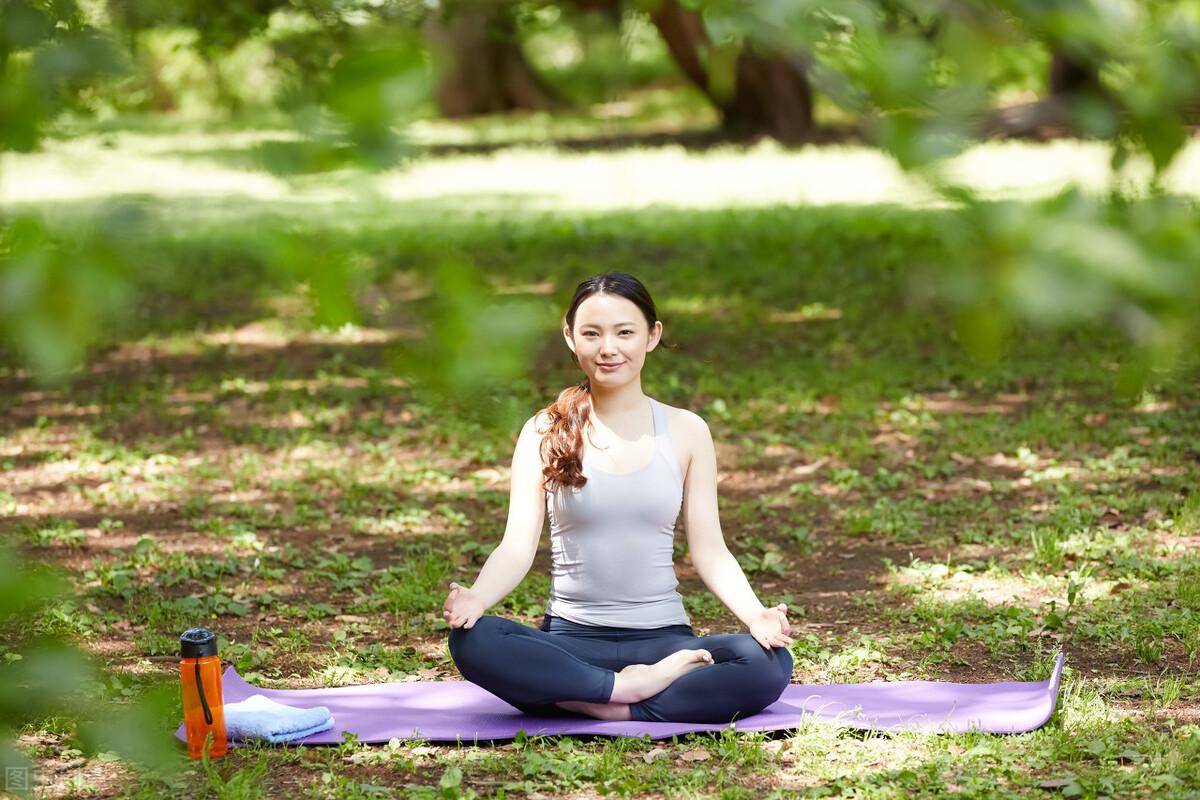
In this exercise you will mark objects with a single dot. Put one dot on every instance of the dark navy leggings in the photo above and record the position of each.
(534, 668)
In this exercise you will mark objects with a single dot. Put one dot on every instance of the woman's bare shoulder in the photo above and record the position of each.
(539, 423)
(529, 442)
(685, 421)
(689, 432)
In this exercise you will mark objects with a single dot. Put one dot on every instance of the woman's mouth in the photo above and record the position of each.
(610, 367)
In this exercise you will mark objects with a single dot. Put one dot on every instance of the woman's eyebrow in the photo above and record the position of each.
(618, 325)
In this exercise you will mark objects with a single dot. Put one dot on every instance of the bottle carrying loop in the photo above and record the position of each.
(208, 717)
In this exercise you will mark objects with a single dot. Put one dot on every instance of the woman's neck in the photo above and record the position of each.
(618, 403)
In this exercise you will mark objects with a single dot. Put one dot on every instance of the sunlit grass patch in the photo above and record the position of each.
(819, 660)
(521, 180)
(950, 582)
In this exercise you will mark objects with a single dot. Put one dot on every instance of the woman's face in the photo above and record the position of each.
(610, 329)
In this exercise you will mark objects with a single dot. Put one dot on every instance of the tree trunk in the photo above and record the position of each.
(771, 94)
(486, 71)
(1069, 77)
(1073, 84)
(1042, 119)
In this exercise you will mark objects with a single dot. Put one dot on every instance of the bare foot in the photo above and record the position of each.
(609, 711)
(639, 681)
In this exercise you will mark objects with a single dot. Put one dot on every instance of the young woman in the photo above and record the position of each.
(615, 642)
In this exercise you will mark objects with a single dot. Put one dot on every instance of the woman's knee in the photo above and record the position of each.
(743, 648)
(770, 679)
(771, 669)
(786, 663)
(464, 642)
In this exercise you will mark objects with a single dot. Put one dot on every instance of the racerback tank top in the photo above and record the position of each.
(612, 542)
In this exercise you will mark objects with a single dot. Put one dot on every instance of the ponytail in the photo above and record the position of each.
(562, 446)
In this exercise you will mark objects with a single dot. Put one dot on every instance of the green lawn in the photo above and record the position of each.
(924, 514)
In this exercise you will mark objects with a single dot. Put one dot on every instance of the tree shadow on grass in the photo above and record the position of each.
(291, 157)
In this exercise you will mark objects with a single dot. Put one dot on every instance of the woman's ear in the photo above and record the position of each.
(567, 335)
(655, 335)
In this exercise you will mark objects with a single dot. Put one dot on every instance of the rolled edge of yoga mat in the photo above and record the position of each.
(935, 706)
(459, 711)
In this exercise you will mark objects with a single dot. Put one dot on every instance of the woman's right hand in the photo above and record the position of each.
(462, 607)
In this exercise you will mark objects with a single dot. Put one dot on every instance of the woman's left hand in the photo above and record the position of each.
(770, 629)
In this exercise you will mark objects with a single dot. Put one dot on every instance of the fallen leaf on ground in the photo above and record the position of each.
(809, 469)
(650, 756)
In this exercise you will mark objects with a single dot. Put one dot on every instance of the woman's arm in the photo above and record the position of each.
(717, 567)
(508, 564)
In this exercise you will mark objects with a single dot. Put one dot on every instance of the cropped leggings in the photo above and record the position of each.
(534, 668)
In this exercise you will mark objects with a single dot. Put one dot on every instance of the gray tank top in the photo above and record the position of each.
(611, 543)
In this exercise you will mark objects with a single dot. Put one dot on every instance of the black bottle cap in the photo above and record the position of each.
(197, 643)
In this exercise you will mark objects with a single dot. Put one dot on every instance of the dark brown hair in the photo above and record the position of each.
(562, 446)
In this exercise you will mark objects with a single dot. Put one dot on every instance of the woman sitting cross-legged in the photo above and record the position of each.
(614, 468)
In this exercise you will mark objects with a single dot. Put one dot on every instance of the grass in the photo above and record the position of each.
(924, 515)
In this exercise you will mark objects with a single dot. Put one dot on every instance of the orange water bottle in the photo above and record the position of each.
(203, 705)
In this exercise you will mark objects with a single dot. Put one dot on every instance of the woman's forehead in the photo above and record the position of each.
(607, 309)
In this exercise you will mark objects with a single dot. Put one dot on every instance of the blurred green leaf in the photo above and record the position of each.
(49, 678)
(44, 676)
(57, 296)
(325, 269)
(21, 107)
(22, 26)
(142, 732)
(475, 339)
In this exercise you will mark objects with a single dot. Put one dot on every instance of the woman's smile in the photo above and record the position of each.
(610, 367)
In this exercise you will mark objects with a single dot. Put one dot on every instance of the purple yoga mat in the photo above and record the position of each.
(447, 711)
